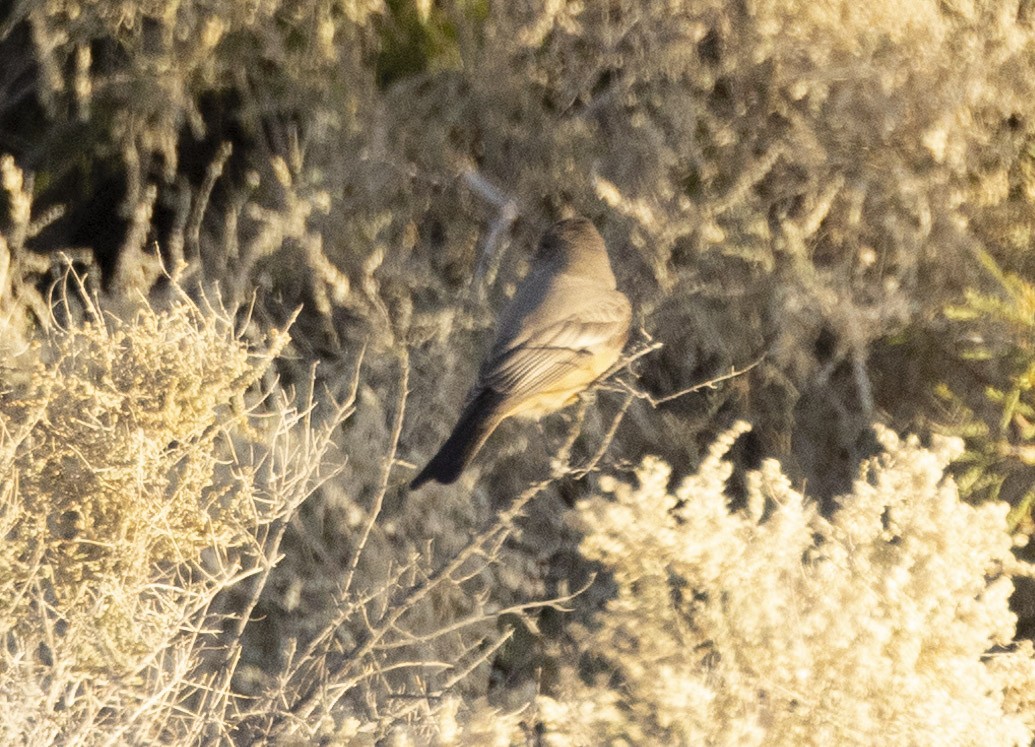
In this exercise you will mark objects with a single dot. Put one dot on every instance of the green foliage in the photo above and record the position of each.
(998, 333)
(415, 36)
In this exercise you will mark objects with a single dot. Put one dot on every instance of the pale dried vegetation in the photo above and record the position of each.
(250, 255)
(775, 625)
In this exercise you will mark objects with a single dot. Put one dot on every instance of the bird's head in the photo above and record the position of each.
(575, 246)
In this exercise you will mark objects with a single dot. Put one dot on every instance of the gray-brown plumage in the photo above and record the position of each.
(565, 327)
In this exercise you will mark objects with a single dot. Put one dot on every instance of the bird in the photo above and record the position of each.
(564, 328)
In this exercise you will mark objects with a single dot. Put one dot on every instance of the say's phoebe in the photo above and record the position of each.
(564, 328)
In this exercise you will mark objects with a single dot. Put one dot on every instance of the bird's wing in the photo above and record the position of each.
(536, 360)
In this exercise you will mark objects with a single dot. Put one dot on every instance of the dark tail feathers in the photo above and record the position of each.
(478, 420)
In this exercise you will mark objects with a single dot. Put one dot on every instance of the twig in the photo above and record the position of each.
(605, 443)
(197, 210)
(506, 214)
(483, 657)
(631, 393)
(555, 603)
(710, 384)
(862, 382)
(560, 464)
(646, 347)
(389, 462)
(267, 553)
(174, 244)
(750, 176)
(406, 600)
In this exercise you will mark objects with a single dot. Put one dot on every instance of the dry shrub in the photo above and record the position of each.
(118, 459)
(148, 483)
(139, 73)
(143, 477)
(800, 179)
(888, 623)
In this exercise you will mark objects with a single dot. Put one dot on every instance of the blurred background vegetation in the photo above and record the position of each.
(845, 191)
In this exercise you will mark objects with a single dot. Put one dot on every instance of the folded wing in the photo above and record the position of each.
(543, 357)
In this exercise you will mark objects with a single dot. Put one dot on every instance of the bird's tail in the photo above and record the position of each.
(477, 422)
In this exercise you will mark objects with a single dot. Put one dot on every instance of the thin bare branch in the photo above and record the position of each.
(507, 213)
(386, 471)
(710, 384)
(605, 442)
(304, 706)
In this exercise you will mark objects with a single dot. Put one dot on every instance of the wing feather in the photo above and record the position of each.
(543, 357)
